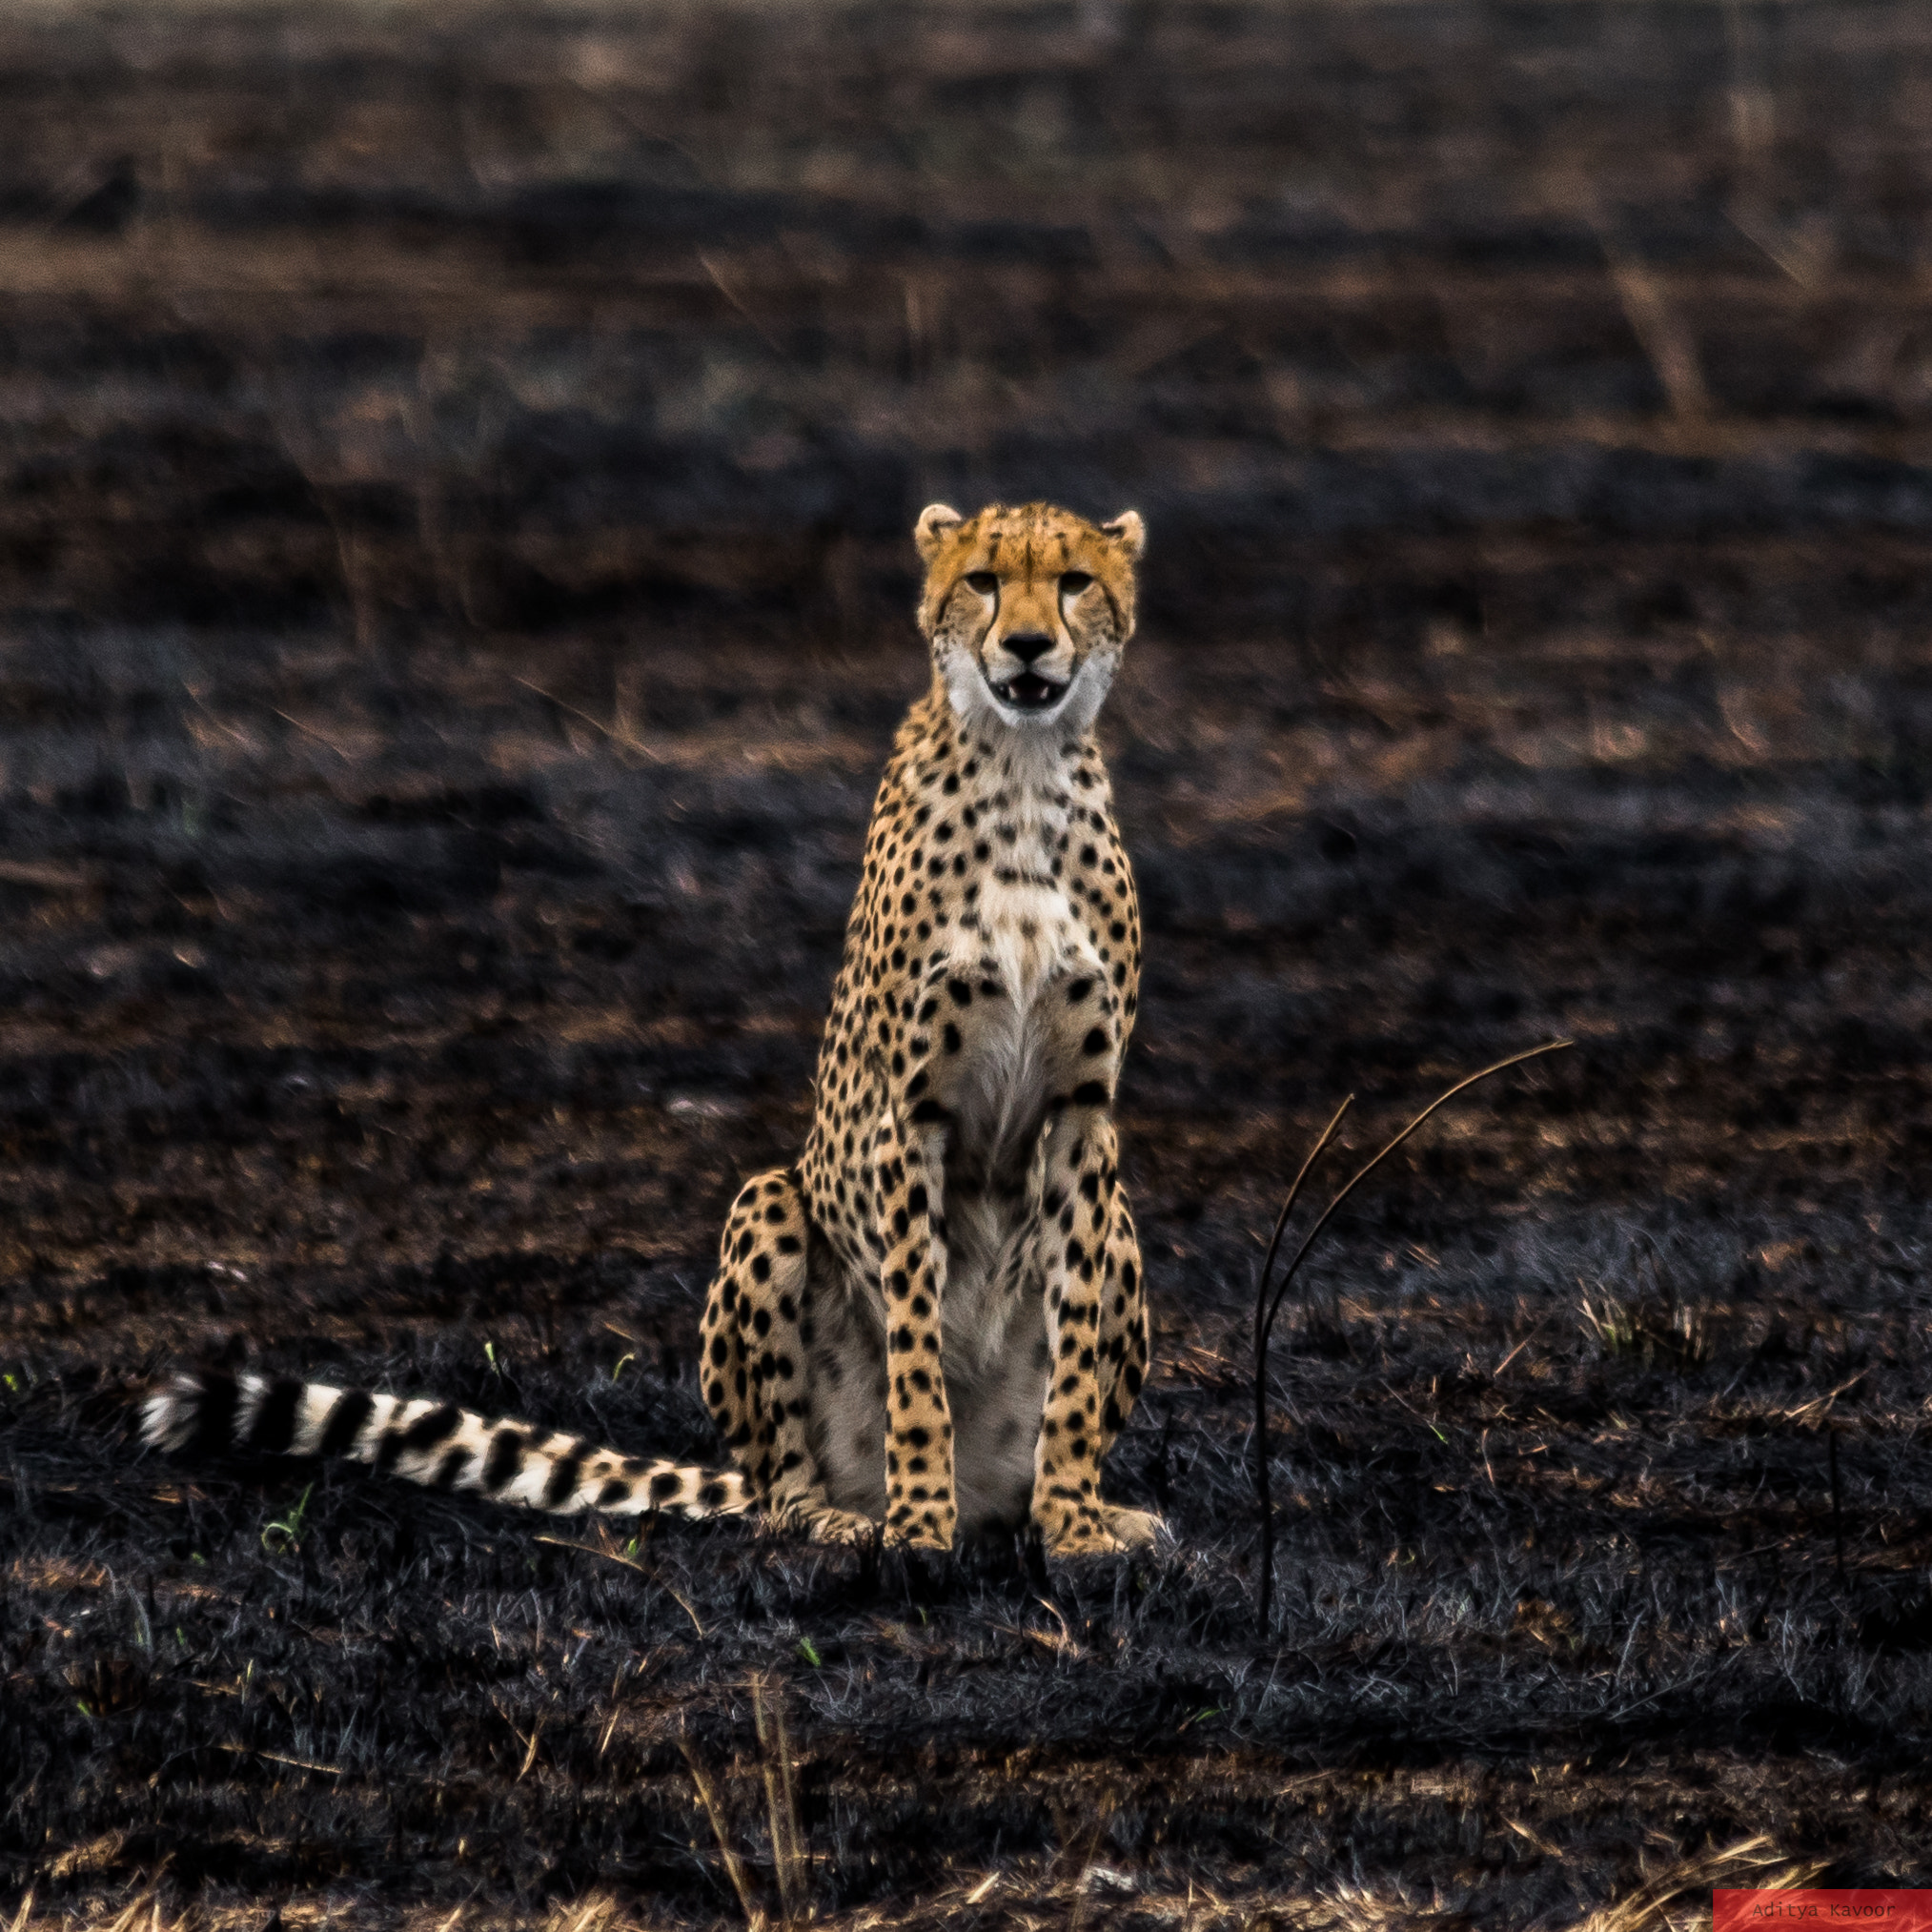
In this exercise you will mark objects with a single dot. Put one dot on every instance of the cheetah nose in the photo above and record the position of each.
(1027, 646)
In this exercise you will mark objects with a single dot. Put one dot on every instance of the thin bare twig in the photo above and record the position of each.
(1264, 1323)
(1265, 1310)
(744, 307)
(310, 731)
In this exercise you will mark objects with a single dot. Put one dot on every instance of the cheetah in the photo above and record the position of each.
(934, 1324)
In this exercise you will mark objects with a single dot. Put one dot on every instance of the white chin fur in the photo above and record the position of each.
(974, 703)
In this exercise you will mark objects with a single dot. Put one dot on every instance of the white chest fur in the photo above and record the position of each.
(1027, 933)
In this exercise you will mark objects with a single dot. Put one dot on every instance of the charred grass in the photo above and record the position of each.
(452, 522)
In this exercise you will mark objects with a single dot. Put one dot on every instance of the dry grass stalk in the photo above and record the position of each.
(790, 1861)
(606, 1547)
(1655, 319)
(1670, 1331)
(1677, 1898)
(782, 1799)
(620, 732)
(1674, 1898)
(1656, 323)
(714, 1810)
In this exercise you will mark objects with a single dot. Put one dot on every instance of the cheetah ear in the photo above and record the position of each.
(937, 521)
(1128, 529)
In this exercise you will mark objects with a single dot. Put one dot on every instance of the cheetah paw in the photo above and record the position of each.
(1103, 1530)
(827, 1525)
(842, 1526)
(919, 1537)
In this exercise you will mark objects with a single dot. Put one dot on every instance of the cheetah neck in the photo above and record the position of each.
(1021, 796)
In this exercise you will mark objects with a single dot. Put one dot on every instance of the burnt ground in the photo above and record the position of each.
(454, 602)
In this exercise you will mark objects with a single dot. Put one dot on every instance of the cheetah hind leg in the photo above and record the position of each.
(1121, 1364)
(754, 1353)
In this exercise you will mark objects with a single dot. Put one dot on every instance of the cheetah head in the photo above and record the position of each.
(1027, 610)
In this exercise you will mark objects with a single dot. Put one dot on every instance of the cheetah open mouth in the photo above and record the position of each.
(1029, 691)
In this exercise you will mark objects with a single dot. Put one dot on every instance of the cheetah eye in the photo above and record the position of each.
(984, 581)
(1073, 581)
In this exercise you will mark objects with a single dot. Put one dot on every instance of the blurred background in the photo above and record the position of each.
(456, 467)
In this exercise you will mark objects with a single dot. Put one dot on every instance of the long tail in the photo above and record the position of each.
(432, 1443)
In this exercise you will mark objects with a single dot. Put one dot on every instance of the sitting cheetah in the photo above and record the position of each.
(936, 1320)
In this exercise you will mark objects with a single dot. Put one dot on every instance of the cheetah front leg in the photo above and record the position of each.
(921, 1508)
(753, 1338)
(1096, 1313)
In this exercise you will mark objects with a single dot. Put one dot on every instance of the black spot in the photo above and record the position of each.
(664, 1485)
(564, 1476)
(437, 1426)
(504, 1459)
(455, 1462)
(612, 1493)
(1090, 1094)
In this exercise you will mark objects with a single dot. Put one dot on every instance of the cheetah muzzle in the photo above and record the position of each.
(936, 1320)
(1029, 693)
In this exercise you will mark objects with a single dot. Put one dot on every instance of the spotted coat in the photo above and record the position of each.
(937, 1318)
